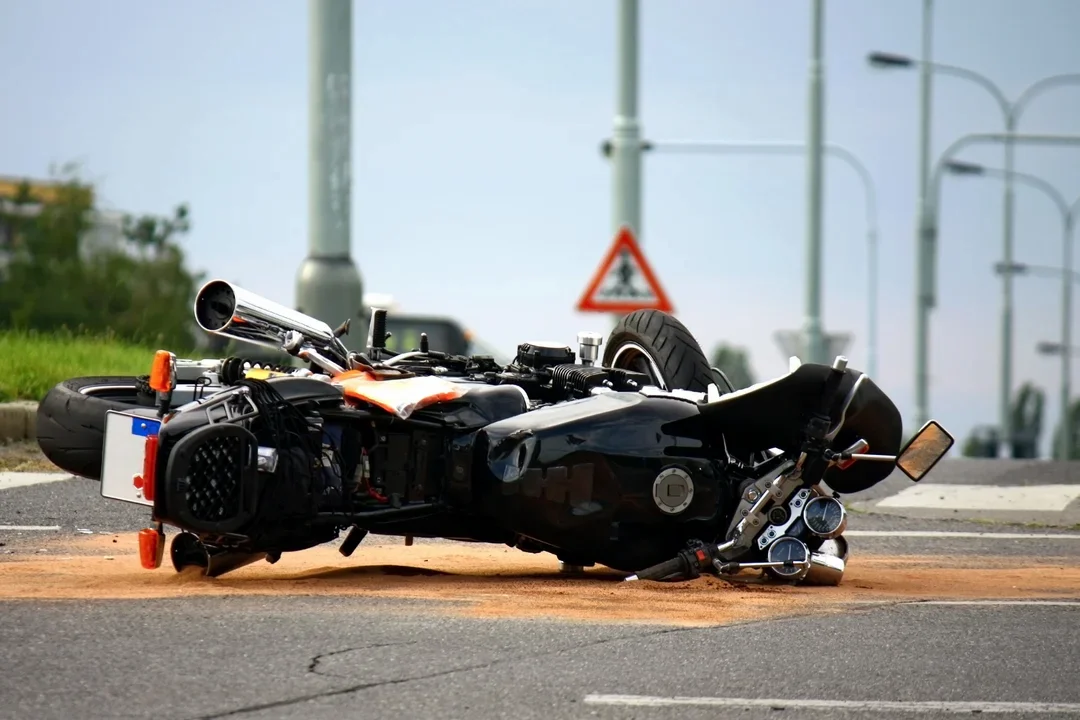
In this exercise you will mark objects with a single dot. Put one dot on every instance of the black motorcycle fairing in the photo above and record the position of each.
(579, 476)
(775, 414)
(481, 405)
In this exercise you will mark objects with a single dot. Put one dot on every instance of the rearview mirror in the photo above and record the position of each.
(924, 450)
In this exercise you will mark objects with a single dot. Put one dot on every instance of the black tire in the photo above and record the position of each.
(71, 419)
(646, 335)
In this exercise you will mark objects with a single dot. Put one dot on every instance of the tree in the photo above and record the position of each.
(139, 291)
(1073, 452)
(43, 286)
(1027, 414)
(982, 443)
(735, 364)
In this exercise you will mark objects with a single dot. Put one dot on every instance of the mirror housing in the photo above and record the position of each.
(924, 450)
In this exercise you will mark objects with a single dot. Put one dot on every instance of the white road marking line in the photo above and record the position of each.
(10, 480)
(984, 497)
(961, 534)
(21, 528)
(989, 603)
(930, 706)
(1054, 603)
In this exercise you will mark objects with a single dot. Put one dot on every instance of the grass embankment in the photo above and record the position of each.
(32, 363)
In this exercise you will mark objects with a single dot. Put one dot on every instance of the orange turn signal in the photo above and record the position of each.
(151, 548)
(163, 372)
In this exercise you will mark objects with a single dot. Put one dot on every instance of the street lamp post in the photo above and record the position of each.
(927, 251)
(626, 133)
(1011, 112)
(1066, 272)
(796, 148)
(814, 332)
(328, 282)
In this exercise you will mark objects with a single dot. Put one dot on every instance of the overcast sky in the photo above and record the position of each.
(479, 190)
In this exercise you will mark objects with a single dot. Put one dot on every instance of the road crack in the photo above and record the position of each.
(313, 665)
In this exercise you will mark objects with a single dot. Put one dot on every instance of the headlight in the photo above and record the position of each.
(825, 516)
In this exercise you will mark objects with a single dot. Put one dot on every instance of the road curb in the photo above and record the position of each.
(18, 421)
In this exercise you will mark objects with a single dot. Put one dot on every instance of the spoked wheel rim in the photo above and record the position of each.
(631, 356)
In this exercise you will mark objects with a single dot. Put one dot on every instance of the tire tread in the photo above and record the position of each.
(677, 352)
(71, 425)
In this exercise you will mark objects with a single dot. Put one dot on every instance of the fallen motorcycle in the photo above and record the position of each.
(645, 460)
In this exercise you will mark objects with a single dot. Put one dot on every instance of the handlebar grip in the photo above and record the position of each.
(662, 570)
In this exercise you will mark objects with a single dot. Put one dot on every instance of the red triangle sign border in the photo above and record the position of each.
(624, 239)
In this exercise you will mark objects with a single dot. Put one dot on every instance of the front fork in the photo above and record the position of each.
(756, 518)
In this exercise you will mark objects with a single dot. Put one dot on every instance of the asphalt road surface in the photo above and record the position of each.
(336, 656)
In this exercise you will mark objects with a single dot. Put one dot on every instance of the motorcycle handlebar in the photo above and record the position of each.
(661, 570)
(687, 563)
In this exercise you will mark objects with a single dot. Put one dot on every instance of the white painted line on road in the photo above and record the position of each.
(1053, 603)
(931, 706)
(10, 480)
(984, 497)
(22, 528)
(886, 602)
(961, 534)
(916, 603)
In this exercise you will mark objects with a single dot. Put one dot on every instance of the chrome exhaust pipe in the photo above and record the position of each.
(224, 309)
(188, 551)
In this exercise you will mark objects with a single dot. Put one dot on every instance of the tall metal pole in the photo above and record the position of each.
(925, 235)
(1066, 335)
(872, 302)
(626, 136)
(328, 285)
(814, 333)
(1005, 391)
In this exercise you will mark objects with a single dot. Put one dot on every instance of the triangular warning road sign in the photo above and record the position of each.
(624, 282)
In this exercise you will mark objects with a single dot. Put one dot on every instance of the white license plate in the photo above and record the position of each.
(122, 456)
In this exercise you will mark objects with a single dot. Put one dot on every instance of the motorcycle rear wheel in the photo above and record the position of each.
(656, 343)
(71, 419)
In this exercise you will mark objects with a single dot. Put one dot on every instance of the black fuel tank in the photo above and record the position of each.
(580, 477)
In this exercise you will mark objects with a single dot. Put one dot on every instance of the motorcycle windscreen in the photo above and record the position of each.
(775, 414)
(400, 396)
